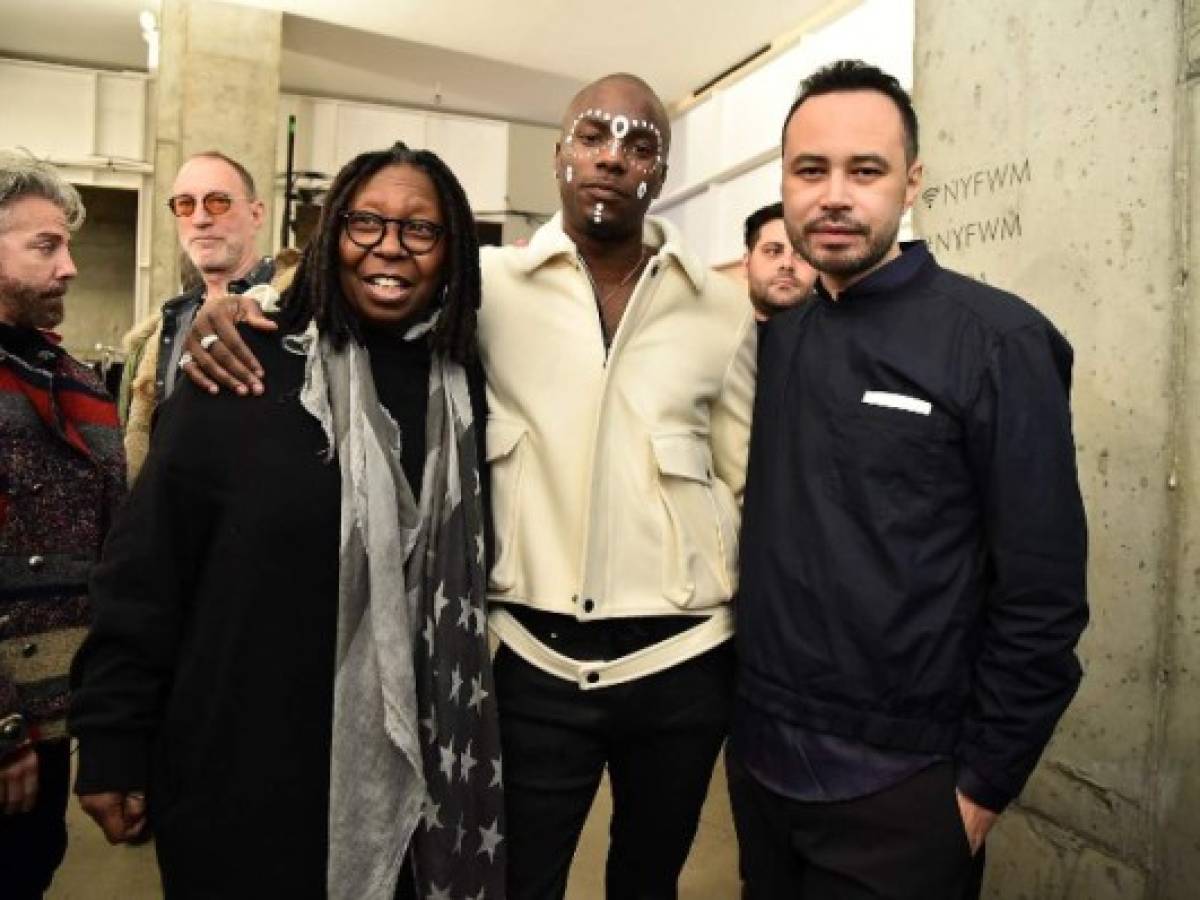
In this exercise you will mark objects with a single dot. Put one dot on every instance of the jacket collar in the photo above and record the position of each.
(551, 241)
(262, 273)
(33, 346)
(889, 278)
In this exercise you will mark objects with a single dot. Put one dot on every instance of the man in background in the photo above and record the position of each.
(218, 216)
(777, 276)
(62, 473)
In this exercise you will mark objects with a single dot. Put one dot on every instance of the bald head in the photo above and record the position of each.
(621, 83)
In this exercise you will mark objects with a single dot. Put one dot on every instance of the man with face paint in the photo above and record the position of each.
(620, 376)
(914, 553)
(620, 385)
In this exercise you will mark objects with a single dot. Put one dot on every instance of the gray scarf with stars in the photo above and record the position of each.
(415, 758)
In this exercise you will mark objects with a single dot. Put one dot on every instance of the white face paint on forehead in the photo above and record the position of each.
(639, 141)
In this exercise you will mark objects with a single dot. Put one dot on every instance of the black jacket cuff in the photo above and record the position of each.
(112, 762)
(979, 790)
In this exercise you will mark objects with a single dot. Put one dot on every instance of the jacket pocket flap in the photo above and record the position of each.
(503, 435)
(683, 456)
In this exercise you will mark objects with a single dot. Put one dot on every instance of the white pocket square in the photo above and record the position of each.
(898, 401)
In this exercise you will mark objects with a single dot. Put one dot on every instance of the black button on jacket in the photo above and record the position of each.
(914, 542)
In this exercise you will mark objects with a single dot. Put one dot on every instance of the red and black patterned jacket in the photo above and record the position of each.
(62, 474)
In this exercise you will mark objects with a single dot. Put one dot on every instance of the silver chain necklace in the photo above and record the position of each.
(601, 301)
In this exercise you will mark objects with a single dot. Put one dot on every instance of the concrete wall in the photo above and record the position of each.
(1057, 137)
(1177, 816)
(217, 89)
(99, 308)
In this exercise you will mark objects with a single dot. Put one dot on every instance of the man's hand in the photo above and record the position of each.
(19, 781)
(226, 361)
(977, 820)
(120, 816)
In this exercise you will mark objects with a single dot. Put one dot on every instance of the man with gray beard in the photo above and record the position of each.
(218, 216)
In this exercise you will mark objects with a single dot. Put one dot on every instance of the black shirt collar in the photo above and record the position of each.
(260, 274)
(29, 345)
(891, 276)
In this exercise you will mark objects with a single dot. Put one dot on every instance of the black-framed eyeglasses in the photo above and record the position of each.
(215, 203)
(417, 236)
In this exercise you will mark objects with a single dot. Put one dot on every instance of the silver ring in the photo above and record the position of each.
(184, 359)
(208, 340)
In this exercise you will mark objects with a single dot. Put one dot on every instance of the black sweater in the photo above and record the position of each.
(914, 545)
(207, 677)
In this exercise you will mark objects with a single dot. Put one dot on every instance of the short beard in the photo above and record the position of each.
(840, 265)
(225, 264)
(767, 305)
(28, 307)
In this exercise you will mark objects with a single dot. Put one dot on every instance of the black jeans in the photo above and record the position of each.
(904, 843)
(32, 844)
(659, 737)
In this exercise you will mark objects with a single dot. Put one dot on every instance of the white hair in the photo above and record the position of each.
(21, 175)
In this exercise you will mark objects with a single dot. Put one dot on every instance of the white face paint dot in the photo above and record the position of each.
(641, 190)
(569, 173)
(620, 127)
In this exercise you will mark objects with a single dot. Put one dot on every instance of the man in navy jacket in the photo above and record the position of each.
(914, 552)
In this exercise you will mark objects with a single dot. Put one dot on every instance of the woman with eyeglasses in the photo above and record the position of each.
(288, 669)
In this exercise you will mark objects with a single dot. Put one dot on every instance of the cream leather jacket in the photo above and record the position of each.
(616, 482)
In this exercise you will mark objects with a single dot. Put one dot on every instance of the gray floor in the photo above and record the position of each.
(95, 871)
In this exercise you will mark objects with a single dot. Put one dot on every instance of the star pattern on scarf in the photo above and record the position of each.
(461, 855)
(490, 839)
(478, 694)
(449, 757)
(466, 762)
(467, 614)
(431, 814)
(430, 726)
(440, 602)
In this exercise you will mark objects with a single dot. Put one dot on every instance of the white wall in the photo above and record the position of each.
(725, 150)
(329, 133)
(93, 125)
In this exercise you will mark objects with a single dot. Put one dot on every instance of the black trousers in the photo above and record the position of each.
(659, 737)
(32, 844)
(903, 843)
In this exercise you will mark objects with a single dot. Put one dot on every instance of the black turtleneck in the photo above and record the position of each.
(401, 372)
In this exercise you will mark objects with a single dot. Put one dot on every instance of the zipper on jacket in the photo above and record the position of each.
(650, 272)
